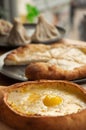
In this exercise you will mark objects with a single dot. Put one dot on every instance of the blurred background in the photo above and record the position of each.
(70, 14)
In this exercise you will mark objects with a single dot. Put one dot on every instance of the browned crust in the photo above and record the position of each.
(43, 70)
(21, 122)
(15, 57)
(36, 71)
(22, 52)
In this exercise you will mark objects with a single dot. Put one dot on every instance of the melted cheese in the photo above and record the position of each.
(41, 101)
(68, 64)
(68, 58)
(76, 55)
(65, 64)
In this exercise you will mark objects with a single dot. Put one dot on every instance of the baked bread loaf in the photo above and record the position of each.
(62, 60)
(67, 62)
(27, 54)
(44, 31)
(18, 35)
(39, 105)
(33, 52)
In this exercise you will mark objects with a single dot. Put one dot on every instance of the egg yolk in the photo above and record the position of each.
(51, 100)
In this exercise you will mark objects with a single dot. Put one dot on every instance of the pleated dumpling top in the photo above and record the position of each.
(44, 31)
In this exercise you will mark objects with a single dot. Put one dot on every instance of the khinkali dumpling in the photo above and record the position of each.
(5, 27)
(18, 35)
(44, 31)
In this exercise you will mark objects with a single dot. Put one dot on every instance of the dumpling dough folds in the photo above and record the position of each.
(5, 27)
(18, 35)
(44, 31)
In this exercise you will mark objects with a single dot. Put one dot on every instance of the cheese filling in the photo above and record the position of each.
(67, 58)
(41, 101)
(65, 64)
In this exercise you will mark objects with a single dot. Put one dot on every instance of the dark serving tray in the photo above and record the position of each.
(80, 81)
(18, 72)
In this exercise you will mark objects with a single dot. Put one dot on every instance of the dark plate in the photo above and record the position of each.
(18, 72)
(31, 28)
(80, 81)
(14, 72)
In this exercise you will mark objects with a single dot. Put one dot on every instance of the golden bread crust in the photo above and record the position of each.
(23, 54)
(68, 63)
(37, 71)
(19, 121)
(63, 60)
(30, 53)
